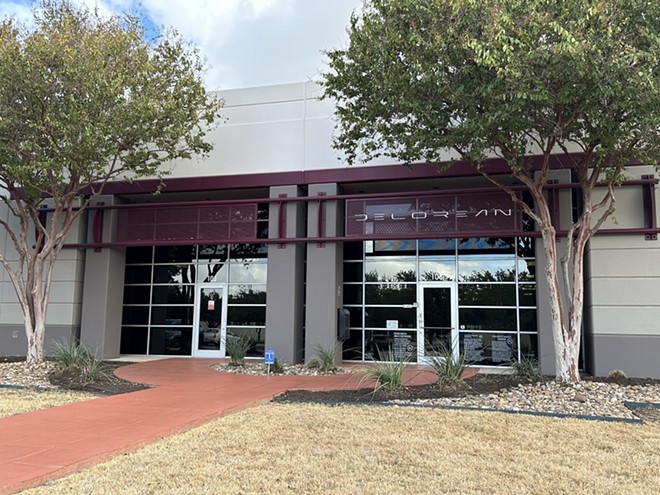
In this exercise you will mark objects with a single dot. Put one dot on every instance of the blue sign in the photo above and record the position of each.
(269, 356)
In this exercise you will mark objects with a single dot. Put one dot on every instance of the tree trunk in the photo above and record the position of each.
(35, 332)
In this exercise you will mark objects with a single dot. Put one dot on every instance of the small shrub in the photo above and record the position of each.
(313, 364)
(237, 348)
(526, 368)
(388, 374)
(326, 358)
(277, 367)
(617, 375)
(449, 370)
(81, 359)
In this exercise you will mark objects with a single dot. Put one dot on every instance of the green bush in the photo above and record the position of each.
(81, 358)
(388, 373)
(449, 370)
(326, 358)
(237, 348)
(526, 368)
(277, 367)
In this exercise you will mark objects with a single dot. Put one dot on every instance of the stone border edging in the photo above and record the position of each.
(609, 419)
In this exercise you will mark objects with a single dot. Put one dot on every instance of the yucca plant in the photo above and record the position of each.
(388, 374)
(326, 358)
(237, 348)
(449, 370)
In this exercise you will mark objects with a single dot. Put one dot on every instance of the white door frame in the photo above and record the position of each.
(421, 286)
(196, 351)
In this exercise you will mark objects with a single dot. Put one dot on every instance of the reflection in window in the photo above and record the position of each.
(173, 294)
(487, 294)
(174, 274)
(212, 272)
(246, 316)
(478, 269)
(257, 337)
(378, 317)
(390, 293)
(248, 272)
(247, 294)
(437, 271)
(390, 271)
(487, 245)
(487, 319)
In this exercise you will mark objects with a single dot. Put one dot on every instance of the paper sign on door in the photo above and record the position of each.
(211, 305)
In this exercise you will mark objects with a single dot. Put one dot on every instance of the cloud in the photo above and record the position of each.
(245, 42)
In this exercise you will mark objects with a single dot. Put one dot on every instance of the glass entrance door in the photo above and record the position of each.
(210, 320)
(436, 327)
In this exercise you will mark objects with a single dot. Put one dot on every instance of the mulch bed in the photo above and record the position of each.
(107, 383)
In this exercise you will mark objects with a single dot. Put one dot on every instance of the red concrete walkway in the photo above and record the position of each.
(51, 443)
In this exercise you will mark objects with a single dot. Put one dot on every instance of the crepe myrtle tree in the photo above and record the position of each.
(509, 79)
(85, 98)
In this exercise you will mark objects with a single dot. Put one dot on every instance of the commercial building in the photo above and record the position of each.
(273, 236)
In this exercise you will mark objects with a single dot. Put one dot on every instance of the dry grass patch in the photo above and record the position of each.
(286, 448)
(19, 401)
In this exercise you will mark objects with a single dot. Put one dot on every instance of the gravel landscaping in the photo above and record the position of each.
(600, 398)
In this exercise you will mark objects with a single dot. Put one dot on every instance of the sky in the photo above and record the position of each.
(245, 42)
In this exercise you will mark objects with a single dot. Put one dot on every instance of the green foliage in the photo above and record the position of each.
(526, 368)
(388, 373)
(439, 80)
(449, 370)
(617, 375)
(85, 98)
(277, 367)
(237, 348)
(80, 358)
(509, 76)
(326, 358)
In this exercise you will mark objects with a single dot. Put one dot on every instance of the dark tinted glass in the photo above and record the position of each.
(352, 272)
(171, 315)
(394, 345)
(133, 340)
(486, 319)
(137, 294)
(353, 250)
(487, 294)
(247, 294)
(527, 294)
(352, 294)
(173, 294)
(391, 293)
(170, 341)
(137, 275)
(352, 348)
(174, 274)
(377, 316)
(175, 254)
(488, 349)
(139, 254)
(135, 315)
(476, 245)
(246, 315)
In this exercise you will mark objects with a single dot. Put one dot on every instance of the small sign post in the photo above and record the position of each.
(269, 358)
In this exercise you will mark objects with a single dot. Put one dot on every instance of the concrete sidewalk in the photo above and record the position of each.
(51, 443)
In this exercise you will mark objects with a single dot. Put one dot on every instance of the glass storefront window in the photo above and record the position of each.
(390, 345)
(247, 294)
(437, 270)
(173, 294)
(486, 294)
(353, 272)
(391, 270)
(257, 338)
(171, 315)
(493, 280)
(487, 318)
(174, 254)
(248, 272)
(246, 316)
(389, 294)
(137, 275)
(134, 340)
(352, 294)
(210, 272)
(486, 269)
(135, 315)
(384, 317)
(488, 349)
(174, 274)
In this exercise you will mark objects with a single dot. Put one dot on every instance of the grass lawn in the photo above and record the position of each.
(19, 401)
(301, 449)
